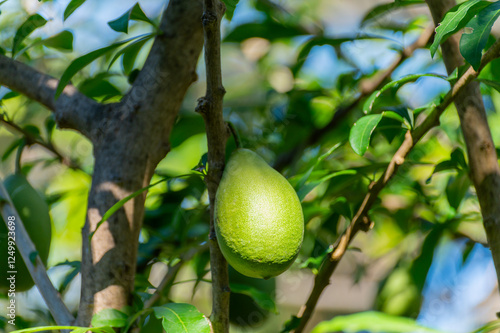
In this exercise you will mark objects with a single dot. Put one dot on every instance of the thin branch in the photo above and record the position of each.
(366, 87)
(31, 139)
(37, 271)
(72, 109)
(361, 220)
(168, 280)
(210, 107)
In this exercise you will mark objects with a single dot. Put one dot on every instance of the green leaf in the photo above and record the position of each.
(61, 41)
(320, 159)
(456, 18)
(457, 189)
(456, 162)
(304, 190)
(98, 86)
(420, 266)
(135, 13)
(182, 318)
(372, 322)
(361, 132)
(476, 34)
(130, 52)
(12, 148)
(71, 7)
(110, 317)
(75, 329)
(493, 84)
(230, 7)
(31, 24)
(80, 62)
(264, 300)
(123, 201)
(386, 8)
(268, 29)
(396, 84)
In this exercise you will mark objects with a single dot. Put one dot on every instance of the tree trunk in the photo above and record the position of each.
(483, 160)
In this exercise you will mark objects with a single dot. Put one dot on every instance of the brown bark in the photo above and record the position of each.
(210, 108)
(483, 160)
(130, 138)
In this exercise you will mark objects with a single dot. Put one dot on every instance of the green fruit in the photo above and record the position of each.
(34, 213)
(243, 310)
(259, 221)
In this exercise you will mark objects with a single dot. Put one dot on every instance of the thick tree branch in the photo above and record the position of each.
(72, 109)
(210, 107)
(130, 140)
(37, 271)
(483, 160)
(31, 139)
(361, 220)
(367, 87)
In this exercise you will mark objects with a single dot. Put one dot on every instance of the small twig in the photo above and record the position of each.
(367, 87)
(168, 280)
(360, 220)
(210, 107)
(37, 270)
(31, 140)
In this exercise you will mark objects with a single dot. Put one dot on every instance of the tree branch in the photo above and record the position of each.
(168, 279)
(361, 220)
(37, 270)
(483, 160)
(72, 109)
(367, 87)
(31, 139)
(210, 107)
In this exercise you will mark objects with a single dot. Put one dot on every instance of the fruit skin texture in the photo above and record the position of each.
(34, 212)
(259, 220)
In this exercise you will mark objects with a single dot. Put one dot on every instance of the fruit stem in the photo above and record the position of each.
(235, 134)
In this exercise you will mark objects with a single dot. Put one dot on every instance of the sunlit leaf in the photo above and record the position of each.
(456, 18)
(476, 34)
(110, 317)
(372, 322)
(182, 318)
(396, 84)
(361, 132)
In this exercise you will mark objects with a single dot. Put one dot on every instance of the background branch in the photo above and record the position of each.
(361, 220)
(72, 109)
(367, 87)
(25, 246)
(210, 108)
(31, 139)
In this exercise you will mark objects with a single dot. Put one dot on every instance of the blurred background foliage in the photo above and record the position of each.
(297, 74)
